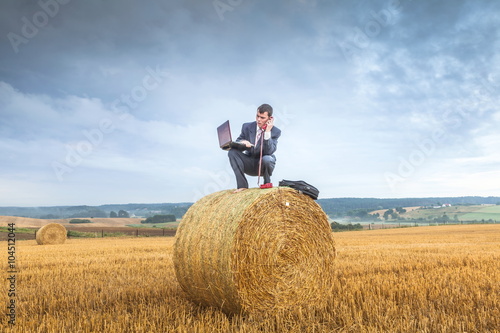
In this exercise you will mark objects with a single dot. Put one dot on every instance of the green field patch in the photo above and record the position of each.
(168, 225)
(95, 234)
(478, 213)
(490, 209)
(431, 213)
(72, 233)
(480, 217)
(483, 213)
(18, 230)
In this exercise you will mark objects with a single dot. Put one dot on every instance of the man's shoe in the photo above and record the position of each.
(267, 185)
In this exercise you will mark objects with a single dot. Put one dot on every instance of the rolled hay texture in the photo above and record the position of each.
(50, 234)
(255, 251)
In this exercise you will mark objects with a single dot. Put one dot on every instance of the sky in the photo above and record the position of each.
(114, 102)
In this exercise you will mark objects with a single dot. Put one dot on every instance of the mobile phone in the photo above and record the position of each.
(264, 127)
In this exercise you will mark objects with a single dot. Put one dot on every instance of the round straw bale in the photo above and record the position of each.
(50, 234)
(255, 251)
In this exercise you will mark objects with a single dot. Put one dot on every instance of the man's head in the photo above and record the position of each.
(263, 113)
(265, 108)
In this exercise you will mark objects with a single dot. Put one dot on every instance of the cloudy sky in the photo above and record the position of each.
(118, 101)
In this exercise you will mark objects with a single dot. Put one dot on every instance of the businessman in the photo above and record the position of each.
(246, 160)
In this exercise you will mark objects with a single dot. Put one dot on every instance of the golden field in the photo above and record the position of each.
(424, 279)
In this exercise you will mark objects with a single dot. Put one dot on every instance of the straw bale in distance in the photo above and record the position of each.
(50, 234)
(255, 251)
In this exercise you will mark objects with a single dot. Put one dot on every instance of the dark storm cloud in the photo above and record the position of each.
(374, 80)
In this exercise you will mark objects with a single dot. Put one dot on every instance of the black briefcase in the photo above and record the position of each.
(302, 187)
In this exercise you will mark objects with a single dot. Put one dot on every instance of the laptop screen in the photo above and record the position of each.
(224, 133)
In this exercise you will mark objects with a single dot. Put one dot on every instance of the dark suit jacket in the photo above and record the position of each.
(248, 131)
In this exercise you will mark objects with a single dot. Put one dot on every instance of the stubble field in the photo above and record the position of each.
(424, 279)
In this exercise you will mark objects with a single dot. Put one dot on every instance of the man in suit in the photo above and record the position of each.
(246, 160)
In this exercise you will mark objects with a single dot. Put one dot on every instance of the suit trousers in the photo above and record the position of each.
(244, 164)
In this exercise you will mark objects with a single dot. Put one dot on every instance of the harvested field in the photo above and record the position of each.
(423, 279)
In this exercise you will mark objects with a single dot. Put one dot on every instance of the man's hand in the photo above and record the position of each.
(270, 124)
(246, 143)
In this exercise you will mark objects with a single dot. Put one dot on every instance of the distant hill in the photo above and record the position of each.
(334, 207)
(63, 212)
(458, 213)
(338, 207)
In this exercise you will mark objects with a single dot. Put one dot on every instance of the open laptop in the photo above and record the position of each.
(225, 140)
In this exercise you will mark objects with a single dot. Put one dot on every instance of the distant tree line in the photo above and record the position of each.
(121, 213)
(336, 227)
(80, 221)
(394, 213)
(146, 210)
(83, 211)
(160, 219)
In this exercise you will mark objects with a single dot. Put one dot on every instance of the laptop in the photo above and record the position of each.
(225, 140)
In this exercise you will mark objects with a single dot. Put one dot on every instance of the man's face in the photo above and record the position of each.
(262, 118)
